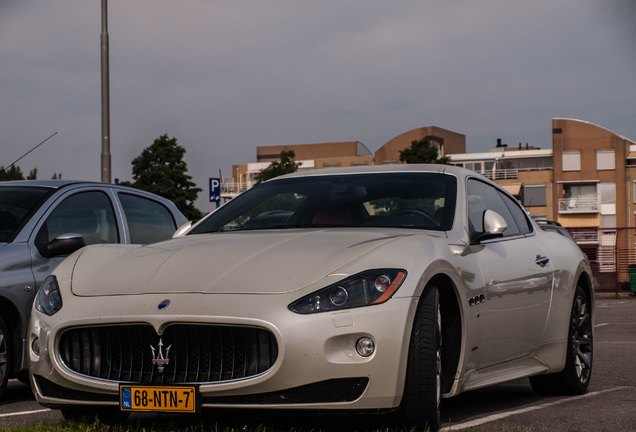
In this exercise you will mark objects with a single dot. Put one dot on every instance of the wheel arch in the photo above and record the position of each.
(586, 282)
(12, 319)
(452, 332)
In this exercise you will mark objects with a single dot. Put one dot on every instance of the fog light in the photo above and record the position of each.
(35, 346)
(365, 347)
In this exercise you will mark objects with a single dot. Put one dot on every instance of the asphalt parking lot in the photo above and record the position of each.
(608, 406)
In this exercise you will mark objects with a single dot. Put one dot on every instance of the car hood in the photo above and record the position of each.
(239, 263)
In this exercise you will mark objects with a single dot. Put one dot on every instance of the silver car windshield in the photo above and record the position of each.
(17, 204)
(394, 200)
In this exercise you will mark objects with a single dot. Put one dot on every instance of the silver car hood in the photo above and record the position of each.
(239, 263)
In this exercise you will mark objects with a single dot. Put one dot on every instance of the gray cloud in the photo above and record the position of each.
(224, 77)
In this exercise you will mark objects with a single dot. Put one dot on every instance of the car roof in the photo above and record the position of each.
(59, 184)
(368, 169)
(55, 184)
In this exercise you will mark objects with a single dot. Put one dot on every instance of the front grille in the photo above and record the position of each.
(195, 353)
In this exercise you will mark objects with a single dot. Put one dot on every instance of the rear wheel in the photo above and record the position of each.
(422, 396)
(5, 356)
(575, 377)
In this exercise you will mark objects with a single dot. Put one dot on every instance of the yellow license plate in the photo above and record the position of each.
(158, 398)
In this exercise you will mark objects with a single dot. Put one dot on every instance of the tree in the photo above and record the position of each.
(421, 151)
(12, 173)
(276, 168)
(160, 169)
(15, 173)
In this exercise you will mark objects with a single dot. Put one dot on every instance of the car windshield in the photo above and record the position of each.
(17, 204)
(395, 200)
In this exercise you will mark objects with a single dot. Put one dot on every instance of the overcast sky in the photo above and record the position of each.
(226, 76)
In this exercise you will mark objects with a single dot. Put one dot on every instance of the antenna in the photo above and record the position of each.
(16, 161)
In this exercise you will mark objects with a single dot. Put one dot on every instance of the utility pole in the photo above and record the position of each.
(105, 97)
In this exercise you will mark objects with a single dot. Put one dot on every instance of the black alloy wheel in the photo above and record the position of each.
(5, 356)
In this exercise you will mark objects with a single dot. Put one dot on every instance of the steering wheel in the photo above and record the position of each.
(429, 220)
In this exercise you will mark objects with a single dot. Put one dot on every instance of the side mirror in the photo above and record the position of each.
(494, 226)
(64, 244)
(180, 232)
(494, 223)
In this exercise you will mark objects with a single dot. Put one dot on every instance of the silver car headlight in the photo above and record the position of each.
(368, 288)
(48, 299)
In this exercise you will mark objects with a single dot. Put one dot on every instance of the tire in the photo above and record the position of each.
(5, 356)
(574, 379)
(420, 406)
(23, 377)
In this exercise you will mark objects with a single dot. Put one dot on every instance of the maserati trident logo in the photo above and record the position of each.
(159, 357)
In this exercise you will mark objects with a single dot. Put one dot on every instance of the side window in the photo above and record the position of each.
(519, 214)
(482, 197)
(87, 213)
(148, 220)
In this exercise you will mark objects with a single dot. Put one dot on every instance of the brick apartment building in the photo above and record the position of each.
(587, 178)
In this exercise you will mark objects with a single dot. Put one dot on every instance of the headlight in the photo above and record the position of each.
(48, 299)
(364, 289)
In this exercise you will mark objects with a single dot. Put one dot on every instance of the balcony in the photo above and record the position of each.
(578, 205)
(510, 173)
(502, 174)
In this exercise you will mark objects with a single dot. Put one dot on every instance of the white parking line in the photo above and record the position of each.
(608, 305)
(24, 412)
(495, 417)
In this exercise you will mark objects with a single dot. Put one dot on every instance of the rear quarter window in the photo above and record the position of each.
(148, 221)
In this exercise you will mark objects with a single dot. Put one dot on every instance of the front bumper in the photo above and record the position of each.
(316, 366)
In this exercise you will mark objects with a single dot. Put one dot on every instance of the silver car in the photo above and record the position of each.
(381, 288)
(41, 222)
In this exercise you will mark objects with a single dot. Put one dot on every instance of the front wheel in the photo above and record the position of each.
(420, 406)
(575, 377)
(5, 356)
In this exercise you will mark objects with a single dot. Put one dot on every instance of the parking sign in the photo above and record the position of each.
(215, 189)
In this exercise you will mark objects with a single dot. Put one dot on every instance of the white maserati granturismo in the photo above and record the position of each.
(384, 288)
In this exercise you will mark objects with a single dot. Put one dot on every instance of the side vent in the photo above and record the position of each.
(473, 301)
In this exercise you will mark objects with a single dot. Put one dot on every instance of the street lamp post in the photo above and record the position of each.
(106, 163)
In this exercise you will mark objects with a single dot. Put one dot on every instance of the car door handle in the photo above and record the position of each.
(542, 260)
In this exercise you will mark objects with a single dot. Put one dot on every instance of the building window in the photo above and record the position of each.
(534, 195)
(572, 160)
(605, 160)
(332, 165)
(608, 221)
(608, 193)
(474, 166)
(579, 198)
(608, 200)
